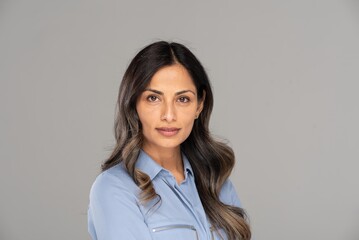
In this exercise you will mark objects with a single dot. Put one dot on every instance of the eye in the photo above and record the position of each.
(152, 98)
(183, 99)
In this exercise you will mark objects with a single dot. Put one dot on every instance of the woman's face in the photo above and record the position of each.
(167, 108)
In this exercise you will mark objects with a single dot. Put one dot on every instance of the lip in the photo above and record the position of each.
(168, 132)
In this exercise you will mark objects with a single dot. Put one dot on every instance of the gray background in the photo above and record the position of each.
(285, 77)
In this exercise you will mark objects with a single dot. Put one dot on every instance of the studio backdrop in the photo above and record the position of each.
(285, 78)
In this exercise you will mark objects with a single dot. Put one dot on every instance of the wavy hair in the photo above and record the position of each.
(212, 161)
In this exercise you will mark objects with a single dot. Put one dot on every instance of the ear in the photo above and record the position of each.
(200, 104)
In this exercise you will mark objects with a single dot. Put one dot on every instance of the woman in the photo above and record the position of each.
(167, 178)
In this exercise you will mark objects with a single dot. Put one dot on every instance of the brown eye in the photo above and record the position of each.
(152, 98)
(183, 99)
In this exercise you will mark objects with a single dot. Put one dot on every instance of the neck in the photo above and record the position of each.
(168, 158)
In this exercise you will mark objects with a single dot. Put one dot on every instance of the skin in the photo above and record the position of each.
(169, 101)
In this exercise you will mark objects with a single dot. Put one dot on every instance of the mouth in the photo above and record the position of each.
(168, 132)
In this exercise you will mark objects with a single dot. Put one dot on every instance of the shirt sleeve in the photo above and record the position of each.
(228, 194)
(113, 212)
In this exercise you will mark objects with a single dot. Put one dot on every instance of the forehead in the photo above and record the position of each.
(172, 77)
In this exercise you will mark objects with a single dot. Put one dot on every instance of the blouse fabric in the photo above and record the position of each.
(115, 211)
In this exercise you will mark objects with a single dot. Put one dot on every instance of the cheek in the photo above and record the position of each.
(188, 121)
(144, 119)
(147, 117)
(188, 115)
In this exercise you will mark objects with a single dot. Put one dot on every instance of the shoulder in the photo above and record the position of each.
(228, 194)
(113, 182)
(114, 210)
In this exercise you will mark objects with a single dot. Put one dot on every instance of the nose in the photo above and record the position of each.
(168, 112)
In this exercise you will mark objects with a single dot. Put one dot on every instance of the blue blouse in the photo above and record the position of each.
(115, 211)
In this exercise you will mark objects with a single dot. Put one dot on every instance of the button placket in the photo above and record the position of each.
(185, 201)
(193, 206)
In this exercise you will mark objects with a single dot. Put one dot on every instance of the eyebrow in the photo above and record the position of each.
(177, 93)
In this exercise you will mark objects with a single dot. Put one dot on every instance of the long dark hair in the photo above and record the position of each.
(212, 161)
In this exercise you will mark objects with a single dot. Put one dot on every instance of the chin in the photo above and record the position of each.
(165, 142)
(170, 145)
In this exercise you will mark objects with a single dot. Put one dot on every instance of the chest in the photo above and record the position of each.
(177, 213)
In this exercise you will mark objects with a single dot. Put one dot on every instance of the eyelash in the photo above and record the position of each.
(152, 96)
(186, 99)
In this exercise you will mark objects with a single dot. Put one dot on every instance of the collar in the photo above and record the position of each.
(149, 166)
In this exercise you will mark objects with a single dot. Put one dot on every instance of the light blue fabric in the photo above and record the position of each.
(115, 211)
